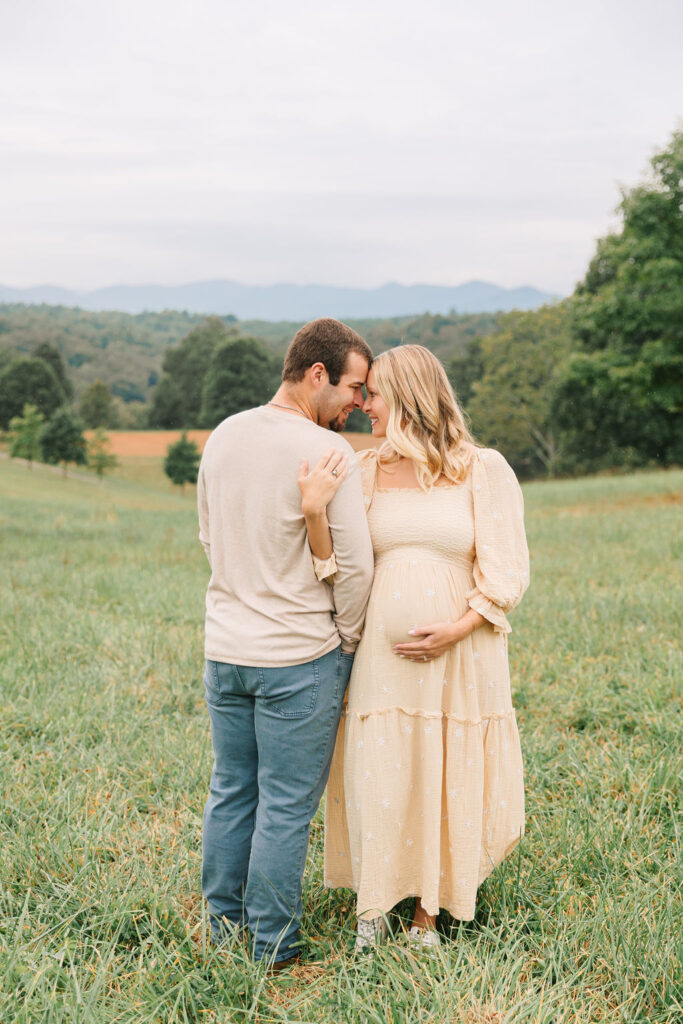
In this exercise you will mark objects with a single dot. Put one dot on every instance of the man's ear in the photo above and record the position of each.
(318, 374)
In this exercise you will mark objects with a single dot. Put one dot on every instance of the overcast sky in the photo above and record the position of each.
(347, 143)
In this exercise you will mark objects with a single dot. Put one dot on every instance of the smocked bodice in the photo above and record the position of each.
(437, 523)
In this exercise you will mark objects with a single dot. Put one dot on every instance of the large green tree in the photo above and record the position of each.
(465, 368)
(28, 382)
(53, 357)
(178, 396)
(97, 406)
(620, 397)
(242, 374)
(6, 355)
(511, 403)
(168, 409)
(62, 439)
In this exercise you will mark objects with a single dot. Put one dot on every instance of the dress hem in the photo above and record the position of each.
(456, 910)
(462, 915)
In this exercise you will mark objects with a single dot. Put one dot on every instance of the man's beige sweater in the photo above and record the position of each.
(264, 604)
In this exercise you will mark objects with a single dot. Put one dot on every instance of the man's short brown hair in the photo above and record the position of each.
(325, 341)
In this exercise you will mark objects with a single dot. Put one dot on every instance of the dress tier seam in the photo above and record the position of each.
(419, 713)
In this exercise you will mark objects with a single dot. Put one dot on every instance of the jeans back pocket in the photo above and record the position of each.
(219, 681)
(291, 691)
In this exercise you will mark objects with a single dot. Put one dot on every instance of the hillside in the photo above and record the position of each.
(126, 351)
(122, 350)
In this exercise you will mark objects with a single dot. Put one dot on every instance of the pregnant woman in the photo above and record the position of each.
(425, 796)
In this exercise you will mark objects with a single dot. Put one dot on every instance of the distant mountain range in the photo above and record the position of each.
(288, 301)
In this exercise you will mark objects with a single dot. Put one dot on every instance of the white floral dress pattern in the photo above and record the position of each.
(426, 794)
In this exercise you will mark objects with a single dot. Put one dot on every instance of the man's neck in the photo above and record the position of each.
(295, 402)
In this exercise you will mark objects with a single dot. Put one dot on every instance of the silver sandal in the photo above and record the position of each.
(424, 938)
(369, 933)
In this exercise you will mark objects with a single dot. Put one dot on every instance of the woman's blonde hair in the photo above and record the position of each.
(426, 424)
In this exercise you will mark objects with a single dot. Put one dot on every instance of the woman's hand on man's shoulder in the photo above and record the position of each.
(320, 485)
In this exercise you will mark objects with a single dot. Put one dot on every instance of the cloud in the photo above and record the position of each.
(365, 141)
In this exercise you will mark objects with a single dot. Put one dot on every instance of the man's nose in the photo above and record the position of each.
(358, 398)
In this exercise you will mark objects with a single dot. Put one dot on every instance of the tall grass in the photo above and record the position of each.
(105, 759)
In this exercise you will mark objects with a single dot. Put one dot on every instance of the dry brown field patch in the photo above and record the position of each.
(155, 442)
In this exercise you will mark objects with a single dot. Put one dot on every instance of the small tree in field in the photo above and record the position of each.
(182, 462)
(25, 431)
(62, 440)
(99, 456)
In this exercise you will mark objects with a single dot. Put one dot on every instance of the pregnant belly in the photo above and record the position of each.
(399, 603)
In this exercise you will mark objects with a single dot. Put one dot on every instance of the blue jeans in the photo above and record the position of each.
(273, 733)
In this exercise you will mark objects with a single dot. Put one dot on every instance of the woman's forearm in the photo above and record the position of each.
(467, 624)
(319, 536)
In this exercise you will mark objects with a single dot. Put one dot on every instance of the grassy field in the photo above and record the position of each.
(105, 760)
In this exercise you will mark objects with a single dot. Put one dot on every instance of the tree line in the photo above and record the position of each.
(126, 352)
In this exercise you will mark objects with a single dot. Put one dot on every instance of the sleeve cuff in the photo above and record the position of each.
(325, 568)
(492, 612)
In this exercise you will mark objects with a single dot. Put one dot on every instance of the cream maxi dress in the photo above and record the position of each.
(426, 794)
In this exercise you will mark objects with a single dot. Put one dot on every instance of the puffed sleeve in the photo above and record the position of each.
(325, 569)
(501, 563)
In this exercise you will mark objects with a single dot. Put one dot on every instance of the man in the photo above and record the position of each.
(279, 644)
